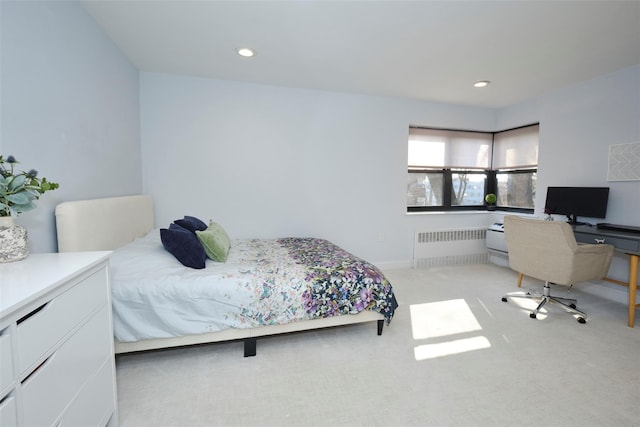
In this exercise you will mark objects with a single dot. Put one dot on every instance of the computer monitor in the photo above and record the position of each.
(589, 202)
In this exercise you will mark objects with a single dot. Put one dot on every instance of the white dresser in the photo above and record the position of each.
(57, 365)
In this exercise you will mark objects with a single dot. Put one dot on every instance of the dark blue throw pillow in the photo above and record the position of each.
(184, 245)
(191, 223)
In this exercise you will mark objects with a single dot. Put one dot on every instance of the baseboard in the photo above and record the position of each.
(393, 265)
(600, 288)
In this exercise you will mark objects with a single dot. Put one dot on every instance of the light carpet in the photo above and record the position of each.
(454, 355)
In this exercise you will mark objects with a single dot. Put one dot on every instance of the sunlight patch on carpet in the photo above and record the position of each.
(430, 351)
(443, 318)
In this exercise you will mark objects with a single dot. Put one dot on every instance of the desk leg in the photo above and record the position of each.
(633, 286)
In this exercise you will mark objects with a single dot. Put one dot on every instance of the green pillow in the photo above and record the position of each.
(215, 241)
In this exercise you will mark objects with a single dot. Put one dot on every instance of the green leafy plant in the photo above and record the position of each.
(490, 198)
(20, 190)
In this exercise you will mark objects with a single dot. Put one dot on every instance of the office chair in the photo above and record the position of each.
(547, 250)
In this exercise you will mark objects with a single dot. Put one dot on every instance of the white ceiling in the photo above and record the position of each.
(429, 50)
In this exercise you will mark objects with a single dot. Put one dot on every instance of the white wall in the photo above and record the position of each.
(264, 161)
(69, 102)
(268, 161)
(577, 125)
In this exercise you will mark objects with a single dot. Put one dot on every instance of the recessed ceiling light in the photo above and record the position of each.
(481, 83)
(246, 52)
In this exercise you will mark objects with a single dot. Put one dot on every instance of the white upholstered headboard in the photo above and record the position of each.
(103, 224)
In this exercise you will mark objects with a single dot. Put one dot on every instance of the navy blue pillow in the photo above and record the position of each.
(191, 223)
(184, 245)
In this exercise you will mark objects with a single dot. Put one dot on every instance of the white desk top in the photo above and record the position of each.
(22, 282)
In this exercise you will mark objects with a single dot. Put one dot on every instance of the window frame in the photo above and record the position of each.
(447, 196)
(494, 186)
(491, 183)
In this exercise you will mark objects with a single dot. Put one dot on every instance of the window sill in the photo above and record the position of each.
(501, 210)
(451, 212)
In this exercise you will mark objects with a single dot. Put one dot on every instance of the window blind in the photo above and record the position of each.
(516, 148)
(437, 148)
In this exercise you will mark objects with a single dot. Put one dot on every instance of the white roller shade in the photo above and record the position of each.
(449, 149)
(517, 148)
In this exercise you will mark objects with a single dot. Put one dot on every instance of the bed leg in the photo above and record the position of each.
(250, 346)
(380, 326)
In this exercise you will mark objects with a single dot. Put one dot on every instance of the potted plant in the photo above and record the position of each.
(491, 200)
(18, 193)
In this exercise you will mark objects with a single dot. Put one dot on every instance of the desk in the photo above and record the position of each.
(628, 243)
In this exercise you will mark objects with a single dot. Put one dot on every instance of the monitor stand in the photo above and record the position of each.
(573, 220)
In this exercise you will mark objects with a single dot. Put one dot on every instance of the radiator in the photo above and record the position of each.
(450, 247)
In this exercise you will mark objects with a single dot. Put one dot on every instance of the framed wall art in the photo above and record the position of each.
(624, 162)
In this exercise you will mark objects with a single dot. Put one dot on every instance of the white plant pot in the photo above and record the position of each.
(13, 240)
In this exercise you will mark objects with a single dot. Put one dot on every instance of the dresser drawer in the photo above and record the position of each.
(6, 360)
(53, 384)
(45, 326)
(95, 403)
(8, 411)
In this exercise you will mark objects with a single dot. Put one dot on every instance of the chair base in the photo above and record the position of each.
(569, 304)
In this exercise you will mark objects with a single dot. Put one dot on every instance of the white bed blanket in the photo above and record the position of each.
(154, 296)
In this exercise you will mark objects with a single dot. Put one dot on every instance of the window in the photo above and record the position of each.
(447, 169)
(515, 163)
(454, 170)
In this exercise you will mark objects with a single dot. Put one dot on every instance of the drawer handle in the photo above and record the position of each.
(44, 362)
(31, 314)
(599, 240)
(6, 398)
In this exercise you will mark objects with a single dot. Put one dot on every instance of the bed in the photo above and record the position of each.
(263, 287)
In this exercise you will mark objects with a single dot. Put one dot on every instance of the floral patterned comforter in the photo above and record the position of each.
(338, 282)
(263, 282)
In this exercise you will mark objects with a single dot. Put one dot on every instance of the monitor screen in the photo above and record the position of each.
(590, 202)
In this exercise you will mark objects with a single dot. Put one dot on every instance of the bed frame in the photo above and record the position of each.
(108, 223)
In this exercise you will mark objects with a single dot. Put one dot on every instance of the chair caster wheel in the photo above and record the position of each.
(581, 320)
(572, 306)
(504, 299)
(532, 315)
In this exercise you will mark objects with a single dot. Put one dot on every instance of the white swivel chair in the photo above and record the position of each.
(547, 250)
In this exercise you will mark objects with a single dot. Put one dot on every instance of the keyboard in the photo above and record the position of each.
(616, 227)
